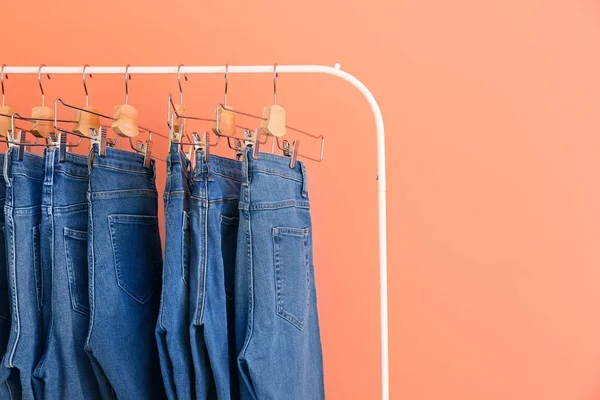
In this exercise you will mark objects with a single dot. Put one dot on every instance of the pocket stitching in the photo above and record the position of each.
(143, 220)
(75, 304)
(280, 306)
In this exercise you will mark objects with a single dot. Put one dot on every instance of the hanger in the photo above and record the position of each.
(273, 122)
(120, 121)
(5, 125)
(224, 124)
(86, 122)
(41, 116)
(125, 122)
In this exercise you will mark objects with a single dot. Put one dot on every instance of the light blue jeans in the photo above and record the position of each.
(125, 268)
(278, 340)
(214, 224)
(172, 328)
(65, 371)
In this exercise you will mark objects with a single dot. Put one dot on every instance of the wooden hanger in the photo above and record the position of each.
(5, 122)
(86, 122)
(180, 110)
(125, 122)
(273, 122)
(42, 116)
(224, 124)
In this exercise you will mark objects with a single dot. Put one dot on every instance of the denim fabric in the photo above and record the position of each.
(6, 389)
(278, 340)
(214, 224)
(65, 371)
(172, 328)
(125, 263)
(22, 212)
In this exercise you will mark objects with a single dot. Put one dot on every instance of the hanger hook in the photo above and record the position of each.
(40, 82)
(226, 84)
(2, 81)
(127, 78)
(179, 82)
(85, 85)
(275, 84)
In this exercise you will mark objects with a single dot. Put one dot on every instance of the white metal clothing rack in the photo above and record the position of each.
(282, 69)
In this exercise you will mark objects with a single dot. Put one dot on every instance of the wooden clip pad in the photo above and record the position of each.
(126, 121)
(5, 122)
(84, 121)
(273, 122)
(42, 129)
(224, 121)
(177, 121)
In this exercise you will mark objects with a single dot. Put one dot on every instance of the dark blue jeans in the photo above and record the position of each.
(22, 211)
(278, 340)
(172, 328)
(214, 225)
(65, 371)
(125, 268)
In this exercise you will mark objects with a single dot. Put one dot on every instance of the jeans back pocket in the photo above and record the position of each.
(77, 269)
(292, 278)
(37, 265)
(137, 253)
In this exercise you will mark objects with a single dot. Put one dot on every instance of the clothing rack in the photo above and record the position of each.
(280, 69)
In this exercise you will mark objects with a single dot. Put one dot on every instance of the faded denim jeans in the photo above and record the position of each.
(65, 371)
(125, 268)
(277, 326)
(214, 224)
(172, 328)
(22, 212)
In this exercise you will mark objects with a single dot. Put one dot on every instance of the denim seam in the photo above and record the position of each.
(91, 270)
(279, 174)
(250, 272)
(131, 171)
(9, 360)
(275, 205)
(124, 193)
(26, 176)
(78, 177)
(37, 266)
(185, 268)
(167, 196)
(202, 294)
(227, 176)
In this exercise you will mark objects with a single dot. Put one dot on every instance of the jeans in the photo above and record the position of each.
(214, 225)
(172, 328)
(6, 390)
(64, 371)
(278, 341)
(125, 267)
(22, 211)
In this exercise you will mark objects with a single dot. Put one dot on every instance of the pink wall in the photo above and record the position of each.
(493, 133)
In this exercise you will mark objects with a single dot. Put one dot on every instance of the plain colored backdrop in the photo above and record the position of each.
(492, 110)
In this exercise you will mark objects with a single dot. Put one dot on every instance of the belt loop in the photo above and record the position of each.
(49, 166)
(304, 180)
(7, 156)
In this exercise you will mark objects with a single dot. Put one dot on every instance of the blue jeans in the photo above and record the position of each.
(214, 225)
(125, 263)
(65, 371)
(278, 340)
(6, 391)
(172, 328)
(22, 211)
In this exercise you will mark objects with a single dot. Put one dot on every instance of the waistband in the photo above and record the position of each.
(121, 160)
(32, 165)
(222, 166)
(74, 164)
(275, 165)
